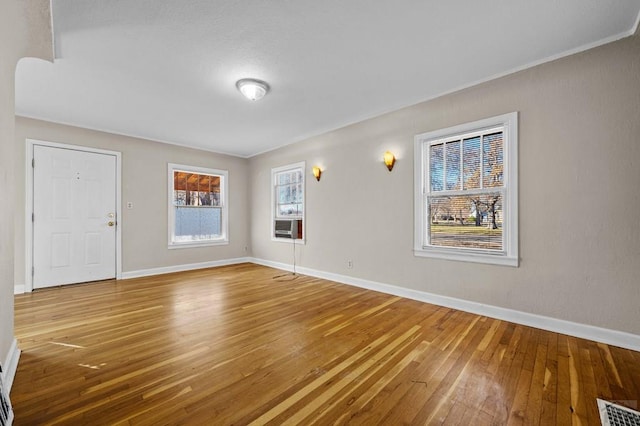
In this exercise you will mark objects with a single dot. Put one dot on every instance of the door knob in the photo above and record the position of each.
(111, 223)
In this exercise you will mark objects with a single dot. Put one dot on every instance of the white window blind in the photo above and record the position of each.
(465, 200)
(467, 196)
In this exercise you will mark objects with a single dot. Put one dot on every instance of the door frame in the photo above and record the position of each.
(28, 223)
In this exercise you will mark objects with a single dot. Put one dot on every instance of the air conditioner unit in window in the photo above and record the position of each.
(286, 228)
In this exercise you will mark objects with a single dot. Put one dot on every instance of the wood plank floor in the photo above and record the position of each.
(233, 345)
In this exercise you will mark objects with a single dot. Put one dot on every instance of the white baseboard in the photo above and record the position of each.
(584, 331)
(19, 289)
(10, 365)
(611, 337)
(180, 268)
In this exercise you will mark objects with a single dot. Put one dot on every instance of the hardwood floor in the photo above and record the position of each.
(233, 345)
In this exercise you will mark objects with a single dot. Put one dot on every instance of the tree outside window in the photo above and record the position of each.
(468, 182)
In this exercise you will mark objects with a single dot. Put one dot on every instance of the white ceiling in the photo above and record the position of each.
(166, 69)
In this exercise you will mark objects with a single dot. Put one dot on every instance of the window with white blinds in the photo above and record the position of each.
(197, 206)
(466, 192)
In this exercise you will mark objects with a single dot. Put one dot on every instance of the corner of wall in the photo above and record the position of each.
(10, 366)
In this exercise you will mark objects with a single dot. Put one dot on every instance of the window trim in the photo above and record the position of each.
(274, 171)
(224, 194)
(509, 255)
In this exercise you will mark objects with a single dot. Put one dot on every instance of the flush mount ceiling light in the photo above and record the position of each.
(252, 89)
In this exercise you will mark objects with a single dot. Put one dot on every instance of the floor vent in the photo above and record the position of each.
(616, 415)
(6, 413)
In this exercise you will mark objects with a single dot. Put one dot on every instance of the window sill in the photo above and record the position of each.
(193, 244)
(466, 256)
(289, 240)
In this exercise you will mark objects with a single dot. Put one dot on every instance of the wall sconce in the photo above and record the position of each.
(389, 160)
(317, 172)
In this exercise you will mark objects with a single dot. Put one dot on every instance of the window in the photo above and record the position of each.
(198, 210)
(467, 192)
(288, 185)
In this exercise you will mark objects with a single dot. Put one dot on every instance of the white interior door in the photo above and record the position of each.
(74, 223)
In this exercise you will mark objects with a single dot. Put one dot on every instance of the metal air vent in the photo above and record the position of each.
(616, 415)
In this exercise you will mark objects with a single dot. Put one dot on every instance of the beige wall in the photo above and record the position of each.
(579, 206)
(144, 182)
(579, 169)
(24, 31)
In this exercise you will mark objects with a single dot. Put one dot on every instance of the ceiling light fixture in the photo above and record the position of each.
(252, 89)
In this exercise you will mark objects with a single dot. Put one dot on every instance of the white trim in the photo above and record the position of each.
(275, 170)
(185, 267)
(203, 243)
(462, 255)
(357, 119)
(28, 224)
(54, 46)
(611, 337)
(296, 241)
(128, 135)
(509, 255)
(584, 331)
(496, 76)
(224, 207)
(10, 365)
(19, 289)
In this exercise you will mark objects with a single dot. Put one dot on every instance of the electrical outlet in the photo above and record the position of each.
(350, 264)
(129, 205)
